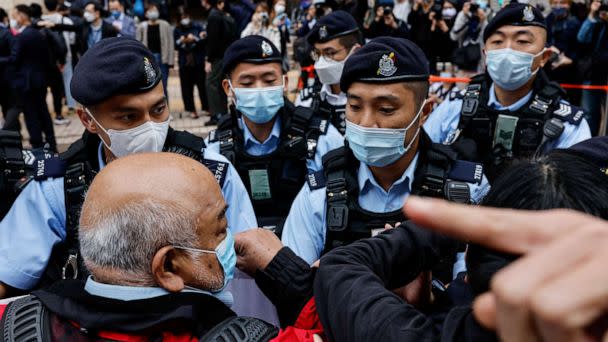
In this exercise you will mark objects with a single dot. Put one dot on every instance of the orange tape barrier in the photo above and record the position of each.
(434, 79)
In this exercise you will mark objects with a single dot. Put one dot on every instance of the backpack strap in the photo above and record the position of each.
(241, 329)
(25, 319)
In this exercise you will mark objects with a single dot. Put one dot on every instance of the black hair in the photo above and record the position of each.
(24, 9)
(420, 89)
(50, 5)
(35, 10)
(561, 179)
(3, 14)
(351, 39)
(97, 5)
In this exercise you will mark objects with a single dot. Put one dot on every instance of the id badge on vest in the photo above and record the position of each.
(504, 134)
(259, 184)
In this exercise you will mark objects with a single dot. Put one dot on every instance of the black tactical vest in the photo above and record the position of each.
(439, 173)
(336, 115)
(80, 165)
(539, 121)
(273, 180)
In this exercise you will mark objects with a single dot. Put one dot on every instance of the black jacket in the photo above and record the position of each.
(354, 304)
(217, 35)
(6, 43)
(31, 59)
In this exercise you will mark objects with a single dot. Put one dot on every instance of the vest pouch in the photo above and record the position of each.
(528, 136)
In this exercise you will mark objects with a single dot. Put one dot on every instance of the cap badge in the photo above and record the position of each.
(149, 71)
(386, 65)
(528, 14)
(323, 32)
(266, 49)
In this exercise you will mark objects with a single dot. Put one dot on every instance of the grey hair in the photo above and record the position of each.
(125, 239)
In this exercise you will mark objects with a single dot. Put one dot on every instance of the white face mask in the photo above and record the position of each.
(152, 15)
(89, 17)
(14, 24)
(185, 21)
(279, 9)
(147, 137)
(330, 71)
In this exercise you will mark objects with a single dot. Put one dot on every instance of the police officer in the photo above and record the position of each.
(272, 143)
(512, 110)
(124, 111)
(388, 155)
(334, 38)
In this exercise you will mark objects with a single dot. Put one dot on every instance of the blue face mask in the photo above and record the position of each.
(259, 105)
(379, 146)
(510, 69)
(226, 256)
(116, 14)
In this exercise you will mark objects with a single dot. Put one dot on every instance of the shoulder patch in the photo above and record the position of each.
(319, 124)
(466, 171)
(315, 180)
(219, 170)
(569, 113)
(50, 168)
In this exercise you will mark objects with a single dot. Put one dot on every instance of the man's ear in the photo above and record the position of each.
(544, 58)
(285, 83)
(86, 120)
(427, 109)
(226, 87)
(166, 269)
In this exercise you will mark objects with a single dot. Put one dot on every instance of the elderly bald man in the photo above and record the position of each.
(159, 261)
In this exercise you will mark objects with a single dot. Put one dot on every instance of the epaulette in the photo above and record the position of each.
(213, 136)
(50, 168)
(315, 180)
(466, 171)
(457, 95)
(218, 169)
(569, 113)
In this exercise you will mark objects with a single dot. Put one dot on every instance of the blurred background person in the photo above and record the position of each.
(262, 25)
(443, 15)
(125, 24)
(385, 23)
(467, 32)
(60, 75)
(95, 28)
(402, 9)
(221, 32)
(191, 60)
(241, 11)
(31, 59)
(420, 27)
(10, 112)
(281, 21)
(157, 35)
(593, 61)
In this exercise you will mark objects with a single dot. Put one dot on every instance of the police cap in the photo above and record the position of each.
(250, 49)
(385, 60)
(594, 149)
(334, 25)
(114, 66)
(515, 14)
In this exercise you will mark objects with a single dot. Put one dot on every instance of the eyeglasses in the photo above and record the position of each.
(328, 54)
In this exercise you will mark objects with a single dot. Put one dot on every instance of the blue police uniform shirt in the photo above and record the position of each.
(332, 139)
(37, 219)
(305, 227)
(443, 122)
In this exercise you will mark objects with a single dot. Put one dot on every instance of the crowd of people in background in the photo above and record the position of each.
(448, 31)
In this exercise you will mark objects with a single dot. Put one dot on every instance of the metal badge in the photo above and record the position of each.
(323, 32)
(149, 71)
(386, 65)
(528, 14)
(266, 49)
